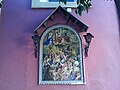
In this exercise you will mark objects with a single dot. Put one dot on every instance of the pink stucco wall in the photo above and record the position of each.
(18, 67)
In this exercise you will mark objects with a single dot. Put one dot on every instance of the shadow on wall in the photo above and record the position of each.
(117, 2)
(24, 43)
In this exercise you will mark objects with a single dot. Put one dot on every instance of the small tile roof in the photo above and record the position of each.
(83, 26)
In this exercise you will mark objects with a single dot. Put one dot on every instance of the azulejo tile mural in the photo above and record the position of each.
(61, 59)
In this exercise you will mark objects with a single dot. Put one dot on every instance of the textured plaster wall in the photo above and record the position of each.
(18, 67)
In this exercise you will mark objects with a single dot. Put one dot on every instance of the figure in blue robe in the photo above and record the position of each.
(49, 41)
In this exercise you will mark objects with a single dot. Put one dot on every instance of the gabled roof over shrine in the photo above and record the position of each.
(69, 17)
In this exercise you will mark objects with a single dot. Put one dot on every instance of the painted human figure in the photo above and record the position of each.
(68, 50)
(66, 37)
(49, 40)
(58, 37)
(46, 74)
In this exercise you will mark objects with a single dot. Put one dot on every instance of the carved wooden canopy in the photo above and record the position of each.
(69, 19)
